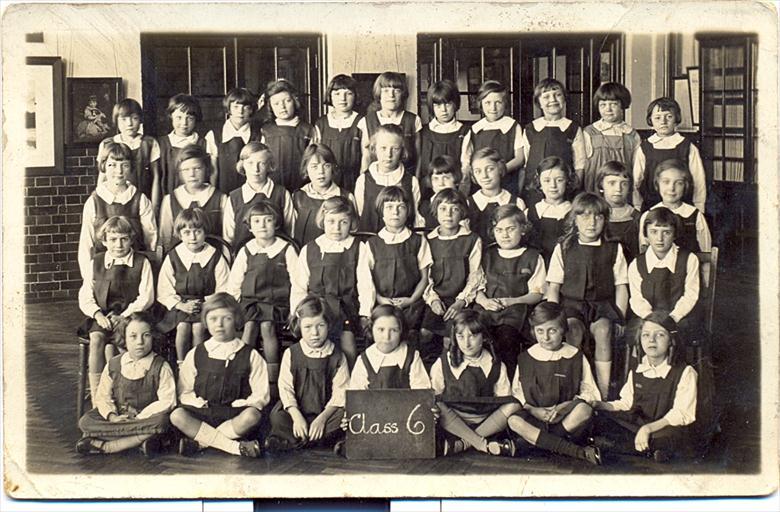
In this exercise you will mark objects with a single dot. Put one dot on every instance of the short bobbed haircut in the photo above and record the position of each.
(544, 85)
(613, 168)
(490, 154)
(390, 79)
(250, 149)
(658, 317)
(311, 306)
(664, 104)
(192, 218)
(449, 196)
(613, 91)
(547, 311)
(222, 300)
(241, 96)
(443, 91)
(127, 107)
(554, 162)
(337, 205)
(489, 87)
(511, 211)
(323, 152)
(337, 83)
(393, 194)
(118, 224)
(118, 151)
(673, 164)
(263, 207)
(446, 164)
(467, 319)
(197, 152)
(389, 129)
(277, 86)
(384, 310)
(187, 104)
(662, 216)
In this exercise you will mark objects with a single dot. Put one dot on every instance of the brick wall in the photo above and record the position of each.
(52, 221)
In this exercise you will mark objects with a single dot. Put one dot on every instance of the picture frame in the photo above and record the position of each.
(90, 103)
(694, 88)
(44, 151)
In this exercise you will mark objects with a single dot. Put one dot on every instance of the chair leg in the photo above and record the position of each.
(82, 385)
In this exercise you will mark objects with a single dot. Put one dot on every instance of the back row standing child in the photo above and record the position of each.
(286, 134)
(237, 131)
(390, 94)
(338, 130)
(184, 113)
(128, 116)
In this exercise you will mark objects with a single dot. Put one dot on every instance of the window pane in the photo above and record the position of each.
(292, 67)
(468, 68)
(497, 63)
(258, 68)
(170, 64)
(208, 71)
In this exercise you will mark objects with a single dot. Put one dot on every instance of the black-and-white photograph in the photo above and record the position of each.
(407, 249)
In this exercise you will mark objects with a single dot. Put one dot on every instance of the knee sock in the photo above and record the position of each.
(555, 444)
(228, 431)
(94, 382)
(454, 424)
(603, 371)
(123, 443)
(209, 436)
(493, 424)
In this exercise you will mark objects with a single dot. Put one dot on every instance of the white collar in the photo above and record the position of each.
(201, 197)
(595, 243)
(341, 122)
(462, 231)
(552, 211)
(295, 121)
(393, 118)
(669, 142)
(511, 253)
(247, 192)
(684, 210)
(451, 127)
(669, 261)
(318, 353)
(332, 191)
(277, 246)
(483, 361)
(653, 372)
(122, 197)
(229, 132)
(110, 261)
(394, 238)
(222, 350)
(542, 354)
(327, 245)
(188, 257)
(621, 213)
(178, 141)
(621, 127)
(503, 125)
(379, 359)
(482, 200)
(386, 179)
(134, 143)
(540, 123)
(141, 364)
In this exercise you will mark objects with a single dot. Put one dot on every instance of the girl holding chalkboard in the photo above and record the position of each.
(472, 390)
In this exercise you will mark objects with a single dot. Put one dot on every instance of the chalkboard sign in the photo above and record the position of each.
(390, 424)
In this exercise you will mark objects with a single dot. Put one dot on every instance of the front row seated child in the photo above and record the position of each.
(389, 362)
(223, 386)
(318, 165)
(512, 279)
(554, 387)
(396, 261)
(673, 180)
(472, 390)
(443, 172)
(588, 277)
(191, 272)
(193, 165)
(115, 196)
(454, 275)
(657, 404)
(136, 392)
(556, 180)
(665, 276)
(327, 267)
(117, 283)
(487, 169)
(257, 162)
(260, 281)
(613, 182)
(312, 382)
(387, 144)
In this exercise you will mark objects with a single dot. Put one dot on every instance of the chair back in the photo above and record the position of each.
(708, 271)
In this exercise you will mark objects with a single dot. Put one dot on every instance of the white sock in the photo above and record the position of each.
(209, 436)
(228, 431)
(603, 371)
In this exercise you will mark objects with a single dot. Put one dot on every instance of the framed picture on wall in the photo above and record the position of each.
(90, 103)
(43, 116)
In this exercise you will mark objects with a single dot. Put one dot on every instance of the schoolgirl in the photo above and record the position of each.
(184, 113)
(555, 179)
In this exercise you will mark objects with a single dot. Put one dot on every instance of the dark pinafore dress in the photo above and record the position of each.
(687, 238)
(627, 233)
(212, 209)
(549, 141)
(228, 177)
(287, 144)
(193, 284)
(333, 276)
(130, 210)
(588, 292)
(407, 126)
(371, 220)
(504, 143)
(141, 176)
(265, 290)
(389, 377)
(396, 272)
(546, 233)
(220, 383)
(449, 273)
(347, 147)
(653, 157)
(129, 395)
(507, 277)
(435, 144)
(306, 229)
(242, 234)
(169, 171)
(548, 383)
(473, 391)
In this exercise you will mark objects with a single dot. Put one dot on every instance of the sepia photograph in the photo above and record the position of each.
(401, 249)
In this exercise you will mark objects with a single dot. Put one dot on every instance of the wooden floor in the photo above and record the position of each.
(51, 366)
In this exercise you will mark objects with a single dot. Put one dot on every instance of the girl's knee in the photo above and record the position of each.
(601, 329)
(519, 425)
(267, 329)
(179, 417)
(97, 340)
(248, 419)
(582, 411)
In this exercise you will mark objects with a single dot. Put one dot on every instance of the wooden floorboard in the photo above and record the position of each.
(52, 431)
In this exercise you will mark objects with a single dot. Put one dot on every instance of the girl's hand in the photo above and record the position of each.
(436, 412)
(642, 439)
(438, 307)
(492, 304)
(188, 306)
(300, 428)
(384, 301)
(102, 321)
(117, 418)
(317, 428)
(401, 302)
(453, 310)
(540, 413)
(113, 318)
(344, 424)
(365, 322)
(619, 330)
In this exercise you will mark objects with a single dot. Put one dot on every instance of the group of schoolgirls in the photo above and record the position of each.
(261, 193)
